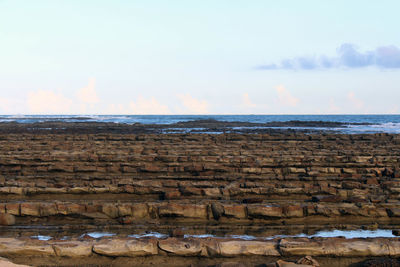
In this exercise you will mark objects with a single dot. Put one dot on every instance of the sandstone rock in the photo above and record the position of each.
(248, 248)
(235, 211)
(172, 194)
(217, 210)
(181, 247)
(230, 264)
(140, 210)
(110, 210)
(265, 211)
(124, 210)
(183, 210)
(293, 211)
(329, 198)
(212, 192)
(282, 263)
(47, 209)
(73, 248)
(308, 260)
(6, 263)
(75, 208)
(13, 208)
(7, 219)
(16, 247)
(126, 247)
(30, 209)
(338, 247)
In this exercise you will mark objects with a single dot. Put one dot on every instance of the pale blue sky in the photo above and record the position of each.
(190, 57)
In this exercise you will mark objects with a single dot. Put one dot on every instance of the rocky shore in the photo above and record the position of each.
(214, 199)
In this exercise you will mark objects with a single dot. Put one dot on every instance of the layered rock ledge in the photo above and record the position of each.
(66, 183)
(214, 248)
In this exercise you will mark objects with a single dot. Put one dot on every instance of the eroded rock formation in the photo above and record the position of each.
(198, 184)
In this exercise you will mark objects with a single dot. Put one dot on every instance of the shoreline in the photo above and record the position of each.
(197, 126)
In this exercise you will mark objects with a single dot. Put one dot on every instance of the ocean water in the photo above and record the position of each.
(376, 123)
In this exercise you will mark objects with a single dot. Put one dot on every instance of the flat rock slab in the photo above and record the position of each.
(126, 248)
(204, 247)
(340, 247)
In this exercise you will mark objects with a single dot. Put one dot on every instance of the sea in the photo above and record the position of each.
(372, 123)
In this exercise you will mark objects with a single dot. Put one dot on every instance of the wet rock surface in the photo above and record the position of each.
(86, 178)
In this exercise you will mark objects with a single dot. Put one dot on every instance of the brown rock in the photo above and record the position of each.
(172, 194)
(235, 211)
(217, 210)
(294, 211)
(248, 248)
(308, 260)
(73, 248)
(181, 247)
(110, 210)
(338, 247)
(183, 210)
(48, 209)
(140, 210)
(16, 247)
(6, 263)
(282, 263)
(126, 247)
(329, 198)
(124, 210)
(7, 219)
(13, 208)
(265, 211)
(30, 209)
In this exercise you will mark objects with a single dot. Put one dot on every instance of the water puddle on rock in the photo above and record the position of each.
(98, 234)
(41, 237)
(349, 234)
(151, 234)
(355, 233)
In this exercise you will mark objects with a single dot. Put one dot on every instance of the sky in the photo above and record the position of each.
(199, 57)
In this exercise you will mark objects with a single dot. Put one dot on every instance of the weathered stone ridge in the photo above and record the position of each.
(204, 247)
(226, 166)
(360, 174)
(179, 182)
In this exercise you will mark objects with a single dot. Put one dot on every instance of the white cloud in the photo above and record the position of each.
(348, 56)
(357, 103)
(147, 106)
(285, 97)
(193, 105)
(48, 102)
(88, 94)
(247, 101)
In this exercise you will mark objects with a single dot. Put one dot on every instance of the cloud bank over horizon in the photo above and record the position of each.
(347, 56)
